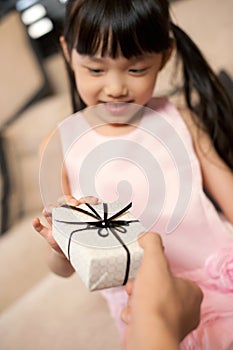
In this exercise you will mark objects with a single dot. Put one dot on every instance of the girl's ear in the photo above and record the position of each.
(65, 49)
(167, 54)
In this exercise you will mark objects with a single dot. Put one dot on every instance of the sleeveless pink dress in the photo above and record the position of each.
(155, 166)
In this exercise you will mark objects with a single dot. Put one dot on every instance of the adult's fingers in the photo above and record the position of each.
(125, 315)
(129, 287)
(191, 297)
(154, 258)
(151, 242)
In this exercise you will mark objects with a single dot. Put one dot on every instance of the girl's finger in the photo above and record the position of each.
(126, 314)
(73, 201)
(41, 229)
(47, 215)
(67, 199)
(88, 199)
(46, 233)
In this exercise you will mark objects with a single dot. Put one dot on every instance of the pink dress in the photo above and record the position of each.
(156, 168)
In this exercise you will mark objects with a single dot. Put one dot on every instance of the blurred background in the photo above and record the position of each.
(43, 20)
(34, 97)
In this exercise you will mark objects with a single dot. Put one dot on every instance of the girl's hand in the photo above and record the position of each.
(46, 232)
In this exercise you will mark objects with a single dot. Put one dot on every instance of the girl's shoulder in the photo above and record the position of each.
(202, 143)
(175, 114)
(163, 105)
(186, 121)
(189, 119)
(217, 176)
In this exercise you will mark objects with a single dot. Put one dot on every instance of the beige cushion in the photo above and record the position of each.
(58, 314)
(22, 140)
(1, 198)
(20, 72)
(23, 261)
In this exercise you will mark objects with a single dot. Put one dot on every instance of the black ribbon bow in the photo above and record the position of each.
(104, 224)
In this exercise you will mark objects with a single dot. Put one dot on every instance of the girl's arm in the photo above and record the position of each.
(217, 176)
(57, 261)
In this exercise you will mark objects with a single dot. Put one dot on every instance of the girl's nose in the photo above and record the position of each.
(116, 88)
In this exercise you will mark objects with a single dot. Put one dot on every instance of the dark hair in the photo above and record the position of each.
(133, 27)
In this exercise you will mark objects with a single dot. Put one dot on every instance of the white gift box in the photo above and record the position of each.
(100, 241)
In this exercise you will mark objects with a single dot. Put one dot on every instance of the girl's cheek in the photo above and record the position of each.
(82, 85)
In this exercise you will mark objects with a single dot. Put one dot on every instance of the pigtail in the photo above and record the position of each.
(206, 96)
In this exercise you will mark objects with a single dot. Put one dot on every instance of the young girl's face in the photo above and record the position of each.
(110, 80)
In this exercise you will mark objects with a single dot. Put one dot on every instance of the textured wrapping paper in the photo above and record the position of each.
(100, 241)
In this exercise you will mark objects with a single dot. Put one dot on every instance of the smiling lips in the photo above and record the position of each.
(116, 108)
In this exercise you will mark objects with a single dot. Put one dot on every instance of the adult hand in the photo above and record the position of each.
(162, 309)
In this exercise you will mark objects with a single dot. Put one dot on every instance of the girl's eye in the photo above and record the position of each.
(137, 71)
(95, 71)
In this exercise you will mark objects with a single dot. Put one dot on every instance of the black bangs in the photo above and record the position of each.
(119, 27)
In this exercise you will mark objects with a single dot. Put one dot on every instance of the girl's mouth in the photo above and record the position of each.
(116, 108)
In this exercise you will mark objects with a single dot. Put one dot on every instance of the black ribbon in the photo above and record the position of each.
(104, 224)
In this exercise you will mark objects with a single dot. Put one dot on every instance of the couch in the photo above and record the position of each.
(39, 310)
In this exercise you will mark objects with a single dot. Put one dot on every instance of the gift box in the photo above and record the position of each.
(100, 241)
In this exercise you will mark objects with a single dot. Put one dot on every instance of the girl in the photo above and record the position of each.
(114, 52)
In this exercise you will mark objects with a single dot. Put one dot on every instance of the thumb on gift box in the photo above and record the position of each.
(70, 200)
